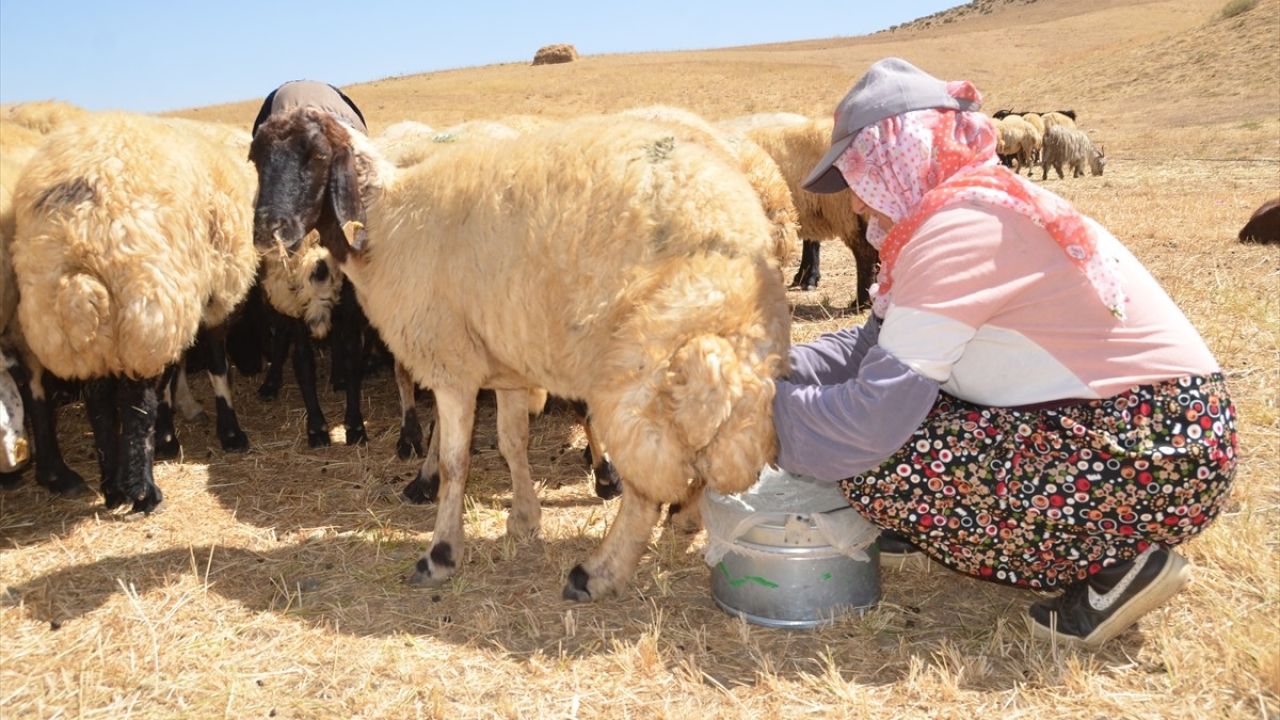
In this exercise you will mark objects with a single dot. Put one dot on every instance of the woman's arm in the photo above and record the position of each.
(837, 431)
(834, 357)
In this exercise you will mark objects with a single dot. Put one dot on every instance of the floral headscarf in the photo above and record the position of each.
(909, 166)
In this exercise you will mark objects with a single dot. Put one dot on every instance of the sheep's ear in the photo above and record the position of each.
(345, 200)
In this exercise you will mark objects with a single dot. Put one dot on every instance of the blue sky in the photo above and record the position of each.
(148, 56)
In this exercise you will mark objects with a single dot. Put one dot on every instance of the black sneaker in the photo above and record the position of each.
(896, 546)
(1107, 603)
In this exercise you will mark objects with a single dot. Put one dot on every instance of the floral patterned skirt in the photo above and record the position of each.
(1043, 498)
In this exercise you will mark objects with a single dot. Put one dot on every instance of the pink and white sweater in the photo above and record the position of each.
(985, 307)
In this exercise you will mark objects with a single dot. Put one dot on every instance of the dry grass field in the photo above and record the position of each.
(272, 584)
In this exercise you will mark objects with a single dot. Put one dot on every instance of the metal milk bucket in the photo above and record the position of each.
(790, 552)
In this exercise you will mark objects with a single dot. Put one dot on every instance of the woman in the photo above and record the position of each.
(1026, 404)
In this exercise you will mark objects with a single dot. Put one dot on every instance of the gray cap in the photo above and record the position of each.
(890, 87)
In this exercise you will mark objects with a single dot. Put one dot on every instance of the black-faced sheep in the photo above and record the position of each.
(309, 294)
(796, 147)
(621, 266)
(1070, 147)
(132, 235)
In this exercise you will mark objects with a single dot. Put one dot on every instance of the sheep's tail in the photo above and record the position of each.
(83, 307)
(722, 406)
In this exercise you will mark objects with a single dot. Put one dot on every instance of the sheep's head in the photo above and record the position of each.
(1097, 160)
(307, 179)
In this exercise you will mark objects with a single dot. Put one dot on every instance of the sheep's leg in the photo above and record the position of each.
(456, 409)
(614, 562)
(525, 517)
(52, 472)
(230, 435)
(426, 486)
(349, 343)
(136, 405)
(410, 441)
(187, 404)
(810, 270)
(100, 405)
(167, 445)
(280, 331)
(866, 258)
(304, 371)
(686, 515)
(608, 483)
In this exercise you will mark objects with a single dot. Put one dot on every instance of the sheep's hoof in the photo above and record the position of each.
(167, 446)
(521, 525)
(434, 568)
(423, 490)
(318, 438)
(608, 484)
(682, 519)
(65, 482)
(234, 440)
(113, 497)
(356, 435)
(268, 390)
(407, 446)
(10, 481)
(576, 589)
(150, 500)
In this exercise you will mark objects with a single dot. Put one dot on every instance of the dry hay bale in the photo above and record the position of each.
(553, 54)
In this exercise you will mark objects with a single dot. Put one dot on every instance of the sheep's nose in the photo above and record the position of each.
(269, 233)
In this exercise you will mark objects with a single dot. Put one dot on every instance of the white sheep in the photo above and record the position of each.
(132, 234)
(45, 116)
(600, 259)
(1016, 142)
(1073, 148)
(759, 168)
(14, 448)
(796, 147)
(1056, 118)
(18, 145)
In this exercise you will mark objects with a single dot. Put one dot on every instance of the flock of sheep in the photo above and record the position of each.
(633, 263)
(1050, 140)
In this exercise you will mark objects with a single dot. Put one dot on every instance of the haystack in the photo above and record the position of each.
(553, 54)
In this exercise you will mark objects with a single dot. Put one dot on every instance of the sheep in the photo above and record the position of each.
(17, 145)
(760, 169)
(14, 448)
(1016, 141)
(405, 143)
(1070, 147)
(132, 235)
(1036, 122)
(622, 266)
(1052, 119)
(796, 148)
(775, 197)
(45, 116)
(1263, 225)
(308, 294)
